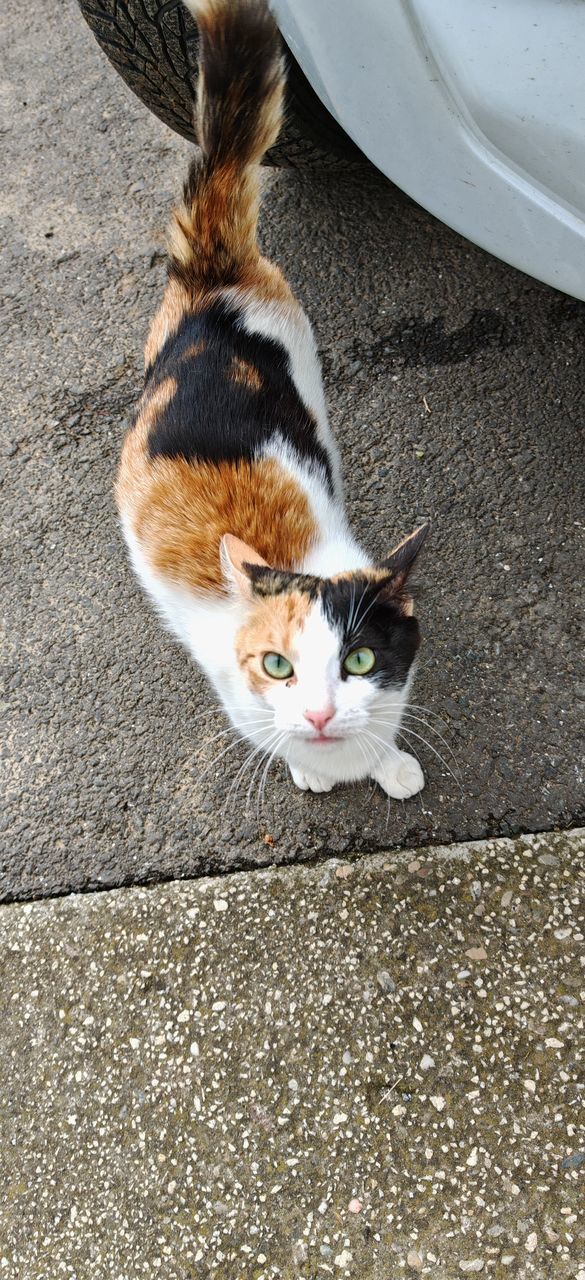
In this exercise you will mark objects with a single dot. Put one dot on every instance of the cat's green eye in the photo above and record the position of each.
(360, 662)
(276, 666)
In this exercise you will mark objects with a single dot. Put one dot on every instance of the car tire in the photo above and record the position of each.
(153, 45)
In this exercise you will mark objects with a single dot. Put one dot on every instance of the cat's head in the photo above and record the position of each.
(323, 653)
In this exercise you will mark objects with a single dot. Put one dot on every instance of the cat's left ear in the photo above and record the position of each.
(234, 555)
(401, 559)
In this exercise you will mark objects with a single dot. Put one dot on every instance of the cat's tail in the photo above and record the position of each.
(237, 118)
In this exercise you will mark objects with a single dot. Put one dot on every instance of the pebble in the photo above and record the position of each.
(474, 1264)
(530, 1086)
(414, 1260)
(438, 1102)
(531, 1242)
(220, 904)
(343, 872)
(300, 1253)
(507, 898)
(476, 953)
(340, 1117)
(355, 1206)
(343, 1259)
(507, 1259)
(385, 981)
(553, 1043)
(426, 1062)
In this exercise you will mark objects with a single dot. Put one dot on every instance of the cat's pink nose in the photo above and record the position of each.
(320, 718)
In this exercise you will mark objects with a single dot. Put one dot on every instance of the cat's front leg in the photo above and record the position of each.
(306, 780)
(399, 775)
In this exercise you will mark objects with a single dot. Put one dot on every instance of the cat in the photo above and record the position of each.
(229, 487)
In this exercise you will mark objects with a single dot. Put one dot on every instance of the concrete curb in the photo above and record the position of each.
(359, 1070)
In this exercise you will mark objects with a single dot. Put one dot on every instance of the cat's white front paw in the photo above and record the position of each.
(310, 781)
(401, 776)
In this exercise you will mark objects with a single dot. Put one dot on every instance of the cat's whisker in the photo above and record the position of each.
(212, 711)
(419, 720)
(373, 747)
(389, 746)
(351, 609)
(360, 621)
(251, 724)
(260, 747)
(350, 630)
(214, 762)
(404, 729)
(269, 750)
(264, 777)
(267, 747)
(360, 744)
(415, 706)
(234, 786)
(376, 761)
(392, 747)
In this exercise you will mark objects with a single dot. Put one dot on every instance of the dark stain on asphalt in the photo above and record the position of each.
(421, 343)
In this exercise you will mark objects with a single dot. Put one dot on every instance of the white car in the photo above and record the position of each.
(475, 108)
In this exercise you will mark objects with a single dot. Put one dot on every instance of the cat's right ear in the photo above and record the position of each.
(234, 555)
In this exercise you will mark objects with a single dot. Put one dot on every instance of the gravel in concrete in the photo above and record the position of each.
(360, 1070)
(456, 389)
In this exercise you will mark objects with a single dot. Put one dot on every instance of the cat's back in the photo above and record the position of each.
(224, 439)
(231, 433)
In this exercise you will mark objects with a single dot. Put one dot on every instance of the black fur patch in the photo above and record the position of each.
(276, 582)
(366, 614)
(214, 417)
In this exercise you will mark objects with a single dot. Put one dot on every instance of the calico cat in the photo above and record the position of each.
(229, 488)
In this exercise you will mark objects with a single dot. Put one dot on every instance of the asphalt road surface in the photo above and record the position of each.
(456, 389)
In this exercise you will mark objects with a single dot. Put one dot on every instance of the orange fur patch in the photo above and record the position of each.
(175, 305)
(180, 510)
(133, 480)
(196, 349)
(244, 373)
(214, 237)
(266, 283)
(270, 627)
